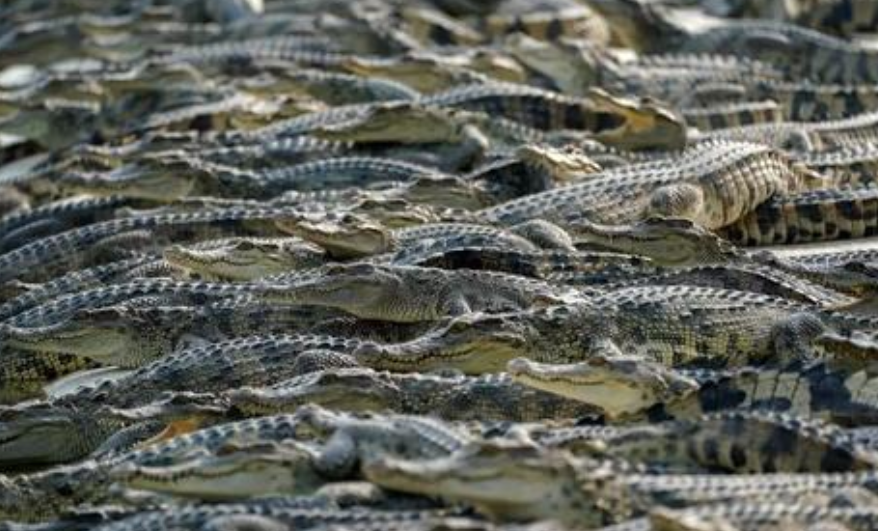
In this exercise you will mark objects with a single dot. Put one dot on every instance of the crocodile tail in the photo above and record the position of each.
(846, 319)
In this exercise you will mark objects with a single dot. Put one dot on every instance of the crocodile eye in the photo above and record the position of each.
(245, 245)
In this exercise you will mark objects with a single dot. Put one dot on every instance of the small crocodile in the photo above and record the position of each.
(130, 335)
(352, 235)
(733, 115)
(675, 325)
(830, 389)
(681, 243)
(818, 215)
(244, 258)
(449, 396)
(805, 136)
(78, 244)
(703, 183)
(520, 482)
(614, 120)
(742, 442)
(412, 294)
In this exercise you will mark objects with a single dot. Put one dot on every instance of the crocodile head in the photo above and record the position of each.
(671, 242)
(361, 289)
(38, 434)
(631, 124)
(233, 472)
(562, 163)
(404, 122)
(245, 258)
(165, 180)
(117, 335)
(505, 480)
(54, 123)
(618, 385)
(636, 24)
(449, 191)
(347, 236)
(471, 343)
(349, 389)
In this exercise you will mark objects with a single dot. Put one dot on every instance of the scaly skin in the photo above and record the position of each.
(846, 166)
(674, 325)
(674, 242)
(616, 121)
(244, 258)
(174, 176)
(76, 244)
(263, 361)
(805, 136)
(130, 336)
(22, 227)
(702, 184)
(347, 443)
(539, 264)
(281, 513)
(806, 54)
(516, 482)
(669, 242)
(733, 441)
(411, 294)
(733, 115)
(353, 236)
(549, 21)
(820, 215)
(806, 101)
(246, 469)
(451, 397)
(625, 387)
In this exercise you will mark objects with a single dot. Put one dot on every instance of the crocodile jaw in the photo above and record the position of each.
(495, 493)
(226, 477)
(35, 441)
(616, 395)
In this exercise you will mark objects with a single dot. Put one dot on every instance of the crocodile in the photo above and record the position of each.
(350, 235)
(802, 100)
(674, 325)
(683, 244)
(427, 71)
(804, 136)
(628, 387)
(130, 335)
(81, 243)
(814, 216)
(244, 258)
(82, 279)
(333, 446)
(800, 53)
(611, 119)
(170, 177)
(448, 396)
(411, 294)
(22, 227)
(332, 88)
(702, 184)
(520, 482)
(847, 166)
(275, 513)
(733, 115)
(260, 360)
(543, 264)
(741, 442)
(806, 54)
(340, 443)
(550, 20)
